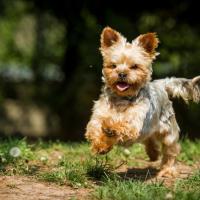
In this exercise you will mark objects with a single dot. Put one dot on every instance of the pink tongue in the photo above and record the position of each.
(122, 86)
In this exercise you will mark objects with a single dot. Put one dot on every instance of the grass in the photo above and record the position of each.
(135, 190)
(120, 189)
(191, 184)
(190, 151)
(15, 154)
(73, 164)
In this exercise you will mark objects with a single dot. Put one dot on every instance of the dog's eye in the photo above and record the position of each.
(113, 66)
(109, 133)
(134, 66)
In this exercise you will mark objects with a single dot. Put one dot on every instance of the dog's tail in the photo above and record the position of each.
(187, 89)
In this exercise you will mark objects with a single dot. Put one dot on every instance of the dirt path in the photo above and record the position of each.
(148, 171)
(26, 188)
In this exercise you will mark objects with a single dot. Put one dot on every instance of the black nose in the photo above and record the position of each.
(122, 75)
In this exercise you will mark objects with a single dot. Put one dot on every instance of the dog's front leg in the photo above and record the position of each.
(101, 137)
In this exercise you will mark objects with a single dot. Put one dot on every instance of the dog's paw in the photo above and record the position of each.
(167, 172)
(113, 128)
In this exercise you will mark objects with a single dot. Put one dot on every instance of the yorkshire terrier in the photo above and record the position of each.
(133, 109)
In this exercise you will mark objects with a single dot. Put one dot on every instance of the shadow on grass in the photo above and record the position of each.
(138, 174)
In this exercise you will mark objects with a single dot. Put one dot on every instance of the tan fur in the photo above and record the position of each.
(149, 42)
(152, 148)
(187, 90)
(133, 109)
(108, 37)
(125, 55)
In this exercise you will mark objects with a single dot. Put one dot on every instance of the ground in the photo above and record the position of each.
(20, 187)
(57, 170)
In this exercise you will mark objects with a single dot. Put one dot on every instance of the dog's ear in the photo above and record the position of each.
(149, 42)
(109, 37)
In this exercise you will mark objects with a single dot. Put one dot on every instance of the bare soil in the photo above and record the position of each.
(148, 171)
(28, 188)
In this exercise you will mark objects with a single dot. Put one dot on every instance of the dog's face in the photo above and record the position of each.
(127, 66)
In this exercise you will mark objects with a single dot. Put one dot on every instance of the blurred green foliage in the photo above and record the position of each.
(49, 52)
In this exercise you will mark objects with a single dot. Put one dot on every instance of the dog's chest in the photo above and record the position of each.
(142, 112)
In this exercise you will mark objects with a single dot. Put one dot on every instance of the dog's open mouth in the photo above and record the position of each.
(122, 86)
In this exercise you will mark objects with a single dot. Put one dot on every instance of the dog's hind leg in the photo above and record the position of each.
(170, 153)
(152, 148)
(170, 150)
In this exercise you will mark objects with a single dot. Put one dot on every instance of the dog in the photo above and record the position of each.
(131, 107)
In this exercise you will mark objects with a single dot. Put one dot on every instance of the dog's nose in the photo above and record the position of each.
(122, 75)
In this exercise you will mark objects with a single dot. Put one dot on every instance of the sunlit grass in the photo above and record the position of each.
(190, 151)
(73, 164)
(17, 160)
(191, 184)
(130, 190)
(117, 189)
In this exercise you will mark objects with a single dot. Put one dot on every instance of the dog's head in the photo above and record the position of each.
(127, 66)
